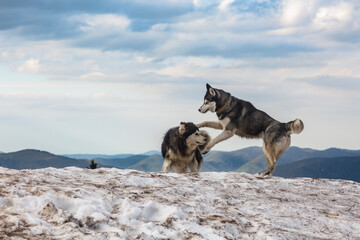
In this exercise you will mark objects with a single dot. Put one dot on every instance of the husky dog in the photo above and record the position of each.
(243, 119)
(182, 146)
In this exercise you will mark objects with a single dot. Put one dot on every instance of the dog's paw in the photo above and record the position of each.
(199, 125)
(262, 176)
(206, 150)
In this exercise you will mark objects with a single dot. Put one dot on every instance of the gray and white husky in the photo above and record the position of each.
(243, 119)
(182, 146)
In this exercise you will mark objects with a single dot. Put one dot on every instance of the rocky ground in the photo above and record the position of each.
(76, 203)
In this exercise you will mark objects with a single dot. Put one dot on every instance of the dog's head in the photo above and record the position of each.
(209, 100)
(192, 136)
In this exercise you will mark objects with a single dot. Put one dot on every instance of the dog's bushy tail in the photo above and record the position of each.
(295, 126)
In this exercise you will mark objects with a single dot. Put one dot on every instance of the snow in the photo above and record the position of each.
(74, 203)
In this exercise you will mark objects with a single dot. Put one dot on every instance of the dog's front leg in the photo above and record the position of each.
(226, 134)
(166, 165)
(194, 166)
(210, 124)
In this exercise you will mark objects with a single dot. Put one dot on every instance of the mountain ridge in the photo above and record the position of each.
(344, 167)
(249, 160)
(35, 159)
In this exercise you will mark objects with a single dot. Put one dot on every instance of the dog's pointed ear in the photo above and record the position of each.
(211, 90)
(182, 128)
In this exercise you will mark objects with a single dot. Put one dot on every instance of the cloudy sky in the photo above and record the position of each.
(113, 76)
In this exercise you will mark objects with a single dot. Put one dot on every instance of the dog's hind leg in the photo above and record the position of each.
(166, 165)
(269, 159)
(273, 152)
(282, 145)
(210, 124)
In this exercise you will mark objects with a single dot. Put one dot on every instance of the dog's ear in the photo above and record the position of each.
(211, 90)
(182, 128)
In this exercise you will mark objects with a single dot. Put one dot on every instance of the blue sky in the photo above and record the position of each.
(113, 76)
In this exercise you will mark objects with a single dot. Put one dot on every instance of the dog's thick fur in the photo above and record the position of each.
(182, 146)
(243, 119)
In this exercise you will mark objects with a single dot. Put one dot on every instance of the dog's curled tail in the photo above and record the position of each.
(295, 126)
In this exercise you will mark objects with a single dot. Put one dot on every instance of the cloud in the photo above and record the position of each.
(296, 12)
(42, 16)
(225, 4)
(103, 21)
(340, 21)
(93, 76)
(32, 66)
(115, 60)
(327, 20)
(250, 29)
(336, 82)
(100, 95)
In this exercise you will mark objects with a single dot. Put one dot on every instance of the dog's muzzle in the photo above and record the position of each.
(201, 109)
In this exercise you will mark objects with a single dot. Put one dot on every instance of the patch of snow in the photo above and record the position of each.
(74, 203)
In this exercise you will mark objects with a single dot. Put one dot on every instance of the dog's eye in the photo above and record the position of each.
(196, 134)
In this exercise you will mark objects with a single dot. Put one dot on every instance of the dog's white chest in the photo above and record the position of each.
(224, 122)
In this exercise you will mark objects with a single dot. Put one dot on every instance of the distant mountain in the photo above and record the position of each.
(152, 152)
(121, 162)
(293, 154)
(296, 153)
(336, 168)
(229, 161)
(149, 164)
(294, 162)
(104, 156)
(213, 161)
(256, 165)
(94, 156)
(34, 159)
(251, 159)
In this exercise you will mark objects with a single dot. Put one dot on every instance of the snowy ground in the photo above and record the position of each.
(75, 203)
